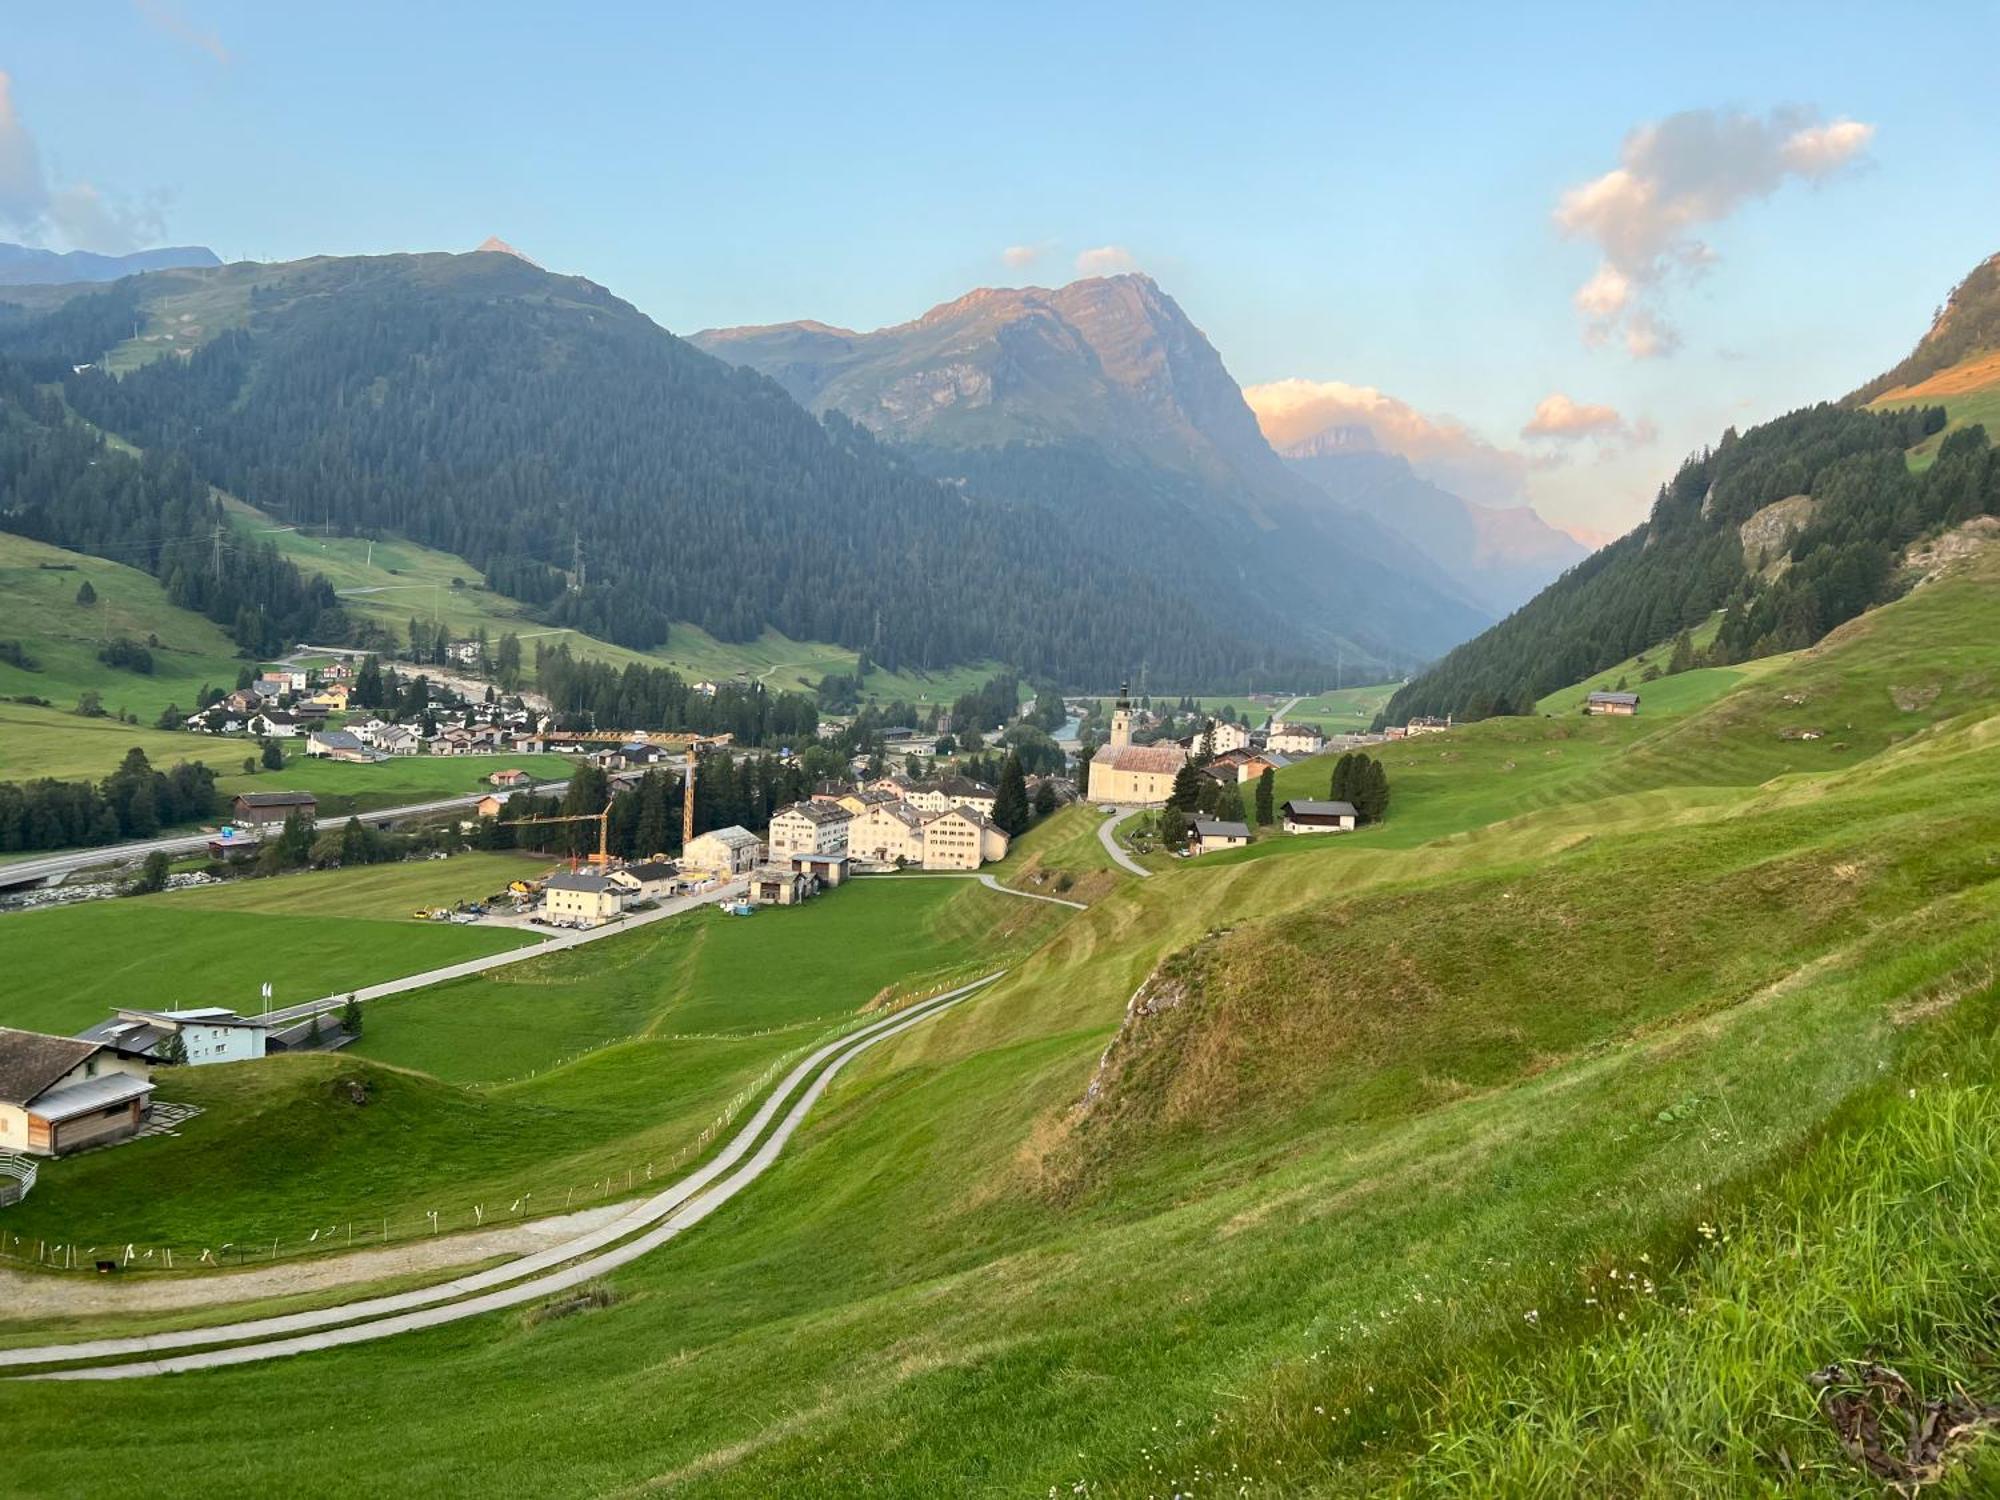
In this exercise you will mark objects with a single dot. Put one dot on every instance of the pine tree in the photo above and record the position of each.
(1045, 799)
(1173, 826)
(85, 594)
(350, 1017)
(1683, 658)
(1342, 787)
(1010, 801)
(1371, 789)
(353, 844)
(272, 757)
(1267, 790)
(1186, 795)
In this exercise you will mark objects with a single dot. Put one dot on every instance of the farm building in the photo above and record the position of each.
(261, 809)
(1622, 704)
(648, 882)
(60, 1094)
(779, 885)
(1211, 834)
(828, 869)
(1303, 816)
(1295, 739)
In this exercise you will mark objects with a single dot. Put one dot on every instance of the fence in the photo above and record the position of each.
(17, 1179)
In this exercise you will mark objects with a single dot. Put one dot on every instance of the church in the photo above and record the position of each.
(1128, 774)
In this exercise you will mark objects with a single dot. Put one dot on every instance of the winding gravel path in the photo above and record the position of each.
(661, 1217)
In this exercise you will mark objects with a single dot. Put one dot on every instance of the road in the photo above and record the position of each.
(553, 942)
(1279, 716)
(570, 1264)
(986, 880)
(27, 871)
(1107, 835)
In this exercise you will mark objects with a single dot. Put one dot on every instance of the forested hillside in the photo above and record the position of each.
(1790, 529)
(613, 475)
(60, 482)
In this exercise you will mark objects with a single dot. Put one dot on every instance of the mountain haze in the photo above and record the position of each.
(24, 265)
(1500, 555)
(1106, 394)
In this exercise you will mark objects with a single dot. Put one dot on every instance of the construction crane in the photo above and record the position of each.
(601, 819)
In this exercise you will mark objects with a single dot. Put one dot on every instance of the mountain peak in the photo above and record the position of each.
(497, 246)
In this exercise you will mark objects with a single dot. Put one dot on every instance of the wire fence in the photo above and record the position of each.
(337, 1232)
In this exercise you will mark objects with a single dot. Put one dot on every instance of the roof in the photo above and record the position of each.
(594, 885)
(277, 799)
(733, 836)
(1214, 828)
(338, 739)
(1306, 807)
(1161, 760)
(817, 859)
(1629, 699)
(956, 810)
(964, 786)
(816, 812)
(203, 1015)
(32, 1060)
(1283, 731)
(92, 1094)
(653, 869)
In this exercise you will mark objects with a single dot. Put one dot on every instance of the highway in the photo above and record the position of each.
(46, 867)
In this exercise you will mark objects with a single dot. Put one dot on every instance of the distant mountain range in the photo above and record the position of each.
(23, 265)
(620, 481)
(1499, 555)
(1103, 392)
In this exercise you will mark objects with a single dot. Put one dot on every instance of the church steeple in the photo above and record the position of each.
(1121, 717)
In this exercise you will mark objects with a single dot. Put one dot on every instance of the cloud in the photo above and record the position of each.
(1020, 257)
(1561, 420)
(1674, 176)
(164, 17)
(1440, 448)
(1105, 260)
(76, 214)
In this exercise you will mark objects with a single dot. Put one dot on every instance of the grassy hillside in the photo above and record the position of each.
(40, 584)
(1544, 1141)
(542, 1078)
(307, 935)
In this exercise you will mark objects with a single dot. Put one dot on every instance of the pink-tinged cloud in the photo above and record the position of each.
(1675, 176)
(76, 214)
(1296, 414)
(1105, 260)
(1557, 416)
(1020, 257)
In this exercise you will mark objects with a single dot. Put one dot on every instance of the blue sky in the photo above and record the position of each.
(1361, 196)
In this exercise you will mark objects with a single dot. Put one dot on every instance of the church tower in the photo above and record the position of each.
(1121, 718)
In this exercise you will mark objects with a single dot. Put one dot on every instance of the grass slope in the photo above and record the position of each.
(519, 1088)
(1396, 1180)
(307, 935)
(40, 583)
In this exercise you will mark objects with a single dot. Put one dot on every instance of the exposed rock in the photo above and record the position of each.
(1934, 558)
(1768, 534)
(1915, 699)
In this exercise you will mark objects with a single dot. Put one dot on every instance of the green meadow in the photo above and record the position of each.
(1545, 1140)
(536, 1086)
(307, 935)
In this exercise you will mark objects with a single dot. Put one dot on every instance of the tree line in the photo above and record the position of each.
(1689, 559)
(133, 802)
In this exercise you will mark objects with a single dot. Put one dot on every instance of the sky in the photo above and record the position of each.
(1545, 250)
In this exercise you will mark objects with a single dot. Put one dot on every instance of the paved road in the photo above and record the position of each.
(553, 942)
(1107, 835)
(661, 1217)
(1279, 716)
(20, 872)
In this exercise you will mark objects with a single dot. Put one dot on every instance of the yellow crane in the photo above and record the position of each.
(601, 819)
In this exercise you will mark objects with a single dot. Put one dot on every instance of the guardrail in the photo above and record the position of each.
(17, 1179)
